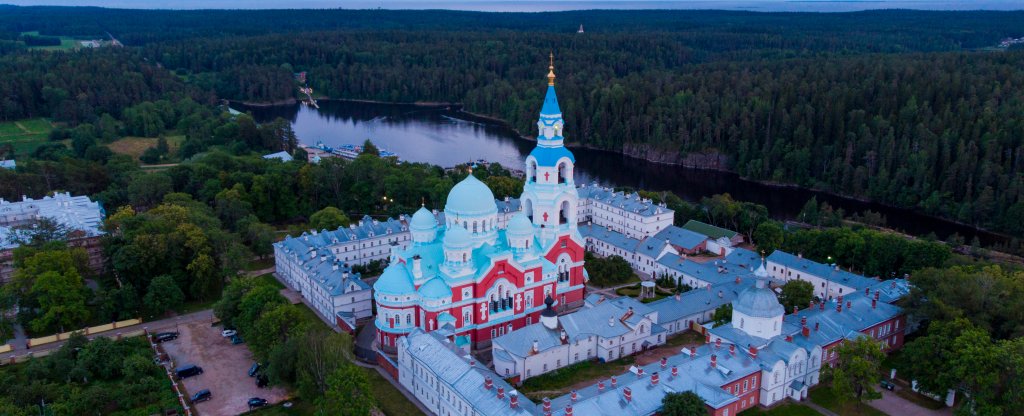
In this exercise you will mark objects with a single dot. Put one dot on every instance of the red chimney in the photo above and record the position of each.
(707, 337)
(547, 405)
(839, 306)
(877, 294)
(752, 350)
(805, 331)
(874, 303)
(849, 305)
(795, 309)
(737, 280)
(732, 349)
(821, 306)
(568, 410)
(627, 394)
(654, 379)
(867, 291)
(488, 383)
(803, 321)
(789, 338)
(501, 393)
(811, 306)
(675, 371)
(693, 353)
(714, 361)
(664, 362)
(613, 382)
(574, 396)
(718, 343)
(513, 402)
(600, 385)
(640, 371)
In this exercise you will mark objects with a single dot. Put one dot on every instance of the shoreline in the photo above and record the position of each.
(458, 110)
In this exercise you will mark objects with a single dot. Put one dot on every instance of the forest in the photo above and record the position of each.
(900, 107)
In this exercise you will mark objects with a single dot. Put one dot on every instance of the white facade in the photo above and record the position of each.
(628, 214)
(829, 281)
(327, 284)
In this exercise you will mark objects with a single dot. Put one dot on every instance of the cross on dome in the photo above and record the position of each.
(551, 69)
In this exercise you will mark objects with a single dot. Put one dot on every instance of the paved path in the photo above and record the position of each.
(819, 409)
(153, 326)
(892, 404)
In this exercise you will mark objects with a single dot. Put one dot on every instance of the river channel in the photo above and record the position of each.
(444, 137)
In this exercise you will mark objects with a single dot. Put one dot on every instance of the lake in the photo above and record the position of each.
(445, 137)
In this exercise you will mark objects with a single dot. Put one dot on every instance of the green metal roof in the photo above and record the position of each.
(708, 229)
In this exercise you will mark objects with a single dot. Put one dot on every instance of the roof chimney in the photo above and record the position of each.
(613, 382)
(574, 396)
(664, 362)
(752, 350)
(718, 343)
(821, 305)
(654, 379)
(732, 349)
(568, 410)
(867, 291)
(488, 383)
(816, 324)
(795, 309)
(789, 338)
(417, 269)
(675, 371)
(693, 353)
(600, 386)
(639, 371)
(874, 303)
(805, 331)
(547, 405)
(513, 401)
(849, 305)
(877, 294)
(719, 294)
(839, 305)
(535, 347)
(501, 393)
(714, 361)
(811, 306)
(737, 280)
(627, 394)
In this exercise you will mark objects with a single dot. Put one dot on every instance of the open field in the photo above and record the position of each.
(25, 134)
(135, 146)
(66, 43)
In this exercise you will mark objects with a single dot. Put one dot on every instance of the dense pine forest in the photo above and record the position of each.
(908, 108)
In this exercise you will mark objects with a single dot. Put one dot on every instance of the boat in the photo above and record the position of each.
(349, 151)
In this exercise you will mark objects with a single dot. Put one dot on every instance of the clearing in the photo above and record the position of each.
(25, 134)
(135, 146)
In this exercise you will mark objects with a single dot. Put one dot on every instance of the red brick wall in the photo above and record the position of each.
(388, 365)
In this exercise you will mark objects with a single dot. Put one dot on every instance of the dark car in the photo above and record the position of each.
(261, 381)
(254, 370)
(886, 384)
(188, 371)
(235, 340)
(165, 336)
(257, 402)
(202, 396)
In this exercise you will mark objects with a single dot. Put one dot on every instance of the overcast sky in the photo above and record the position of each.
(537, 5)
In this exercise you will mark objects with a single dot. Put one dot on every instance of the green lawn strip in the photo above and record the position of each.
(822, 395)
(260, 264)
(10, 128)
(566, 377)
(268, 279)
(687, 337)
(36, 125)
(789, 409)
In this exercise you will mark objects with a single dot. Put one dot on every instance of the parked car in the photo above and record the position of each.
(165, 336)
(228, 333)
(262, 381)
(886, 384)
(254, 370)
(257, 402)
(202, 396)
(235, 340)
(188, 371)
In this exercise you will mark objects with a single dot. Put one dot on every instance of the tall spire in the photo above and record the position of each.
(551, 69)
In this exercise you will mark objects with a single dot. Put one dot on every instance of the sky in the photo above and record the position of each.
(539, 5)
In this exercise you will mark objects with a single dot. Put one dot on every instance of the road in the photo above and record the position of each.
(153, 326)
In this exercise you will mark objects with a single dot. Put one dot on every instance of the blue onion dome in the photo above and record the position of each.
(423, 220)
(395, 280)
(758, 301)
(435, 289)
(457, 237)
(470, 196)
(520, 226)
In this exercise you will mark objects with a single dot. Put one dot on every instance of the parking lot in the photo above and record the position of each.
(225, 370)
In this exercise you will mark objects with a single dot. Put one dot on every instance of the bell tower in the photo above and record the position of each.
(549, 195)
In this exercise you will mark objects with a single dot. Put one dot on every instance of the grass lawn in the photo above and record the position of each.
(789, 409)
(822, 395)
(66, 43)
(687, 337)
(564, 378)
(268, 279)
(26, 134)
(135, 146)
(260, 264)
(389, 399)
(196, 306)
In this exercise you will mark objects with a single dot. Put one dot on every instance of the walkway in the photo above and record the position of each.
(892, 404)
(818, 408)
(162, 325)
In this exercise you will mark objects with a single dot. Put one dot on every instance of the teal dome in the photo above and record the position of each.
(435, 289)
(395, 280)
(423, 220)
(469, 197)
(457, 237)
(520, 226)
(758, 301)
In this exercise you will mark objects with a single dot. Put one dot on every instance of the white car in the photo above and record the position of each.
(228, 333)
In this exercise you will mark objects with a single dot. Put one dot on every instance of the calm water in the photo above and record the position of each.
(443, 137)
